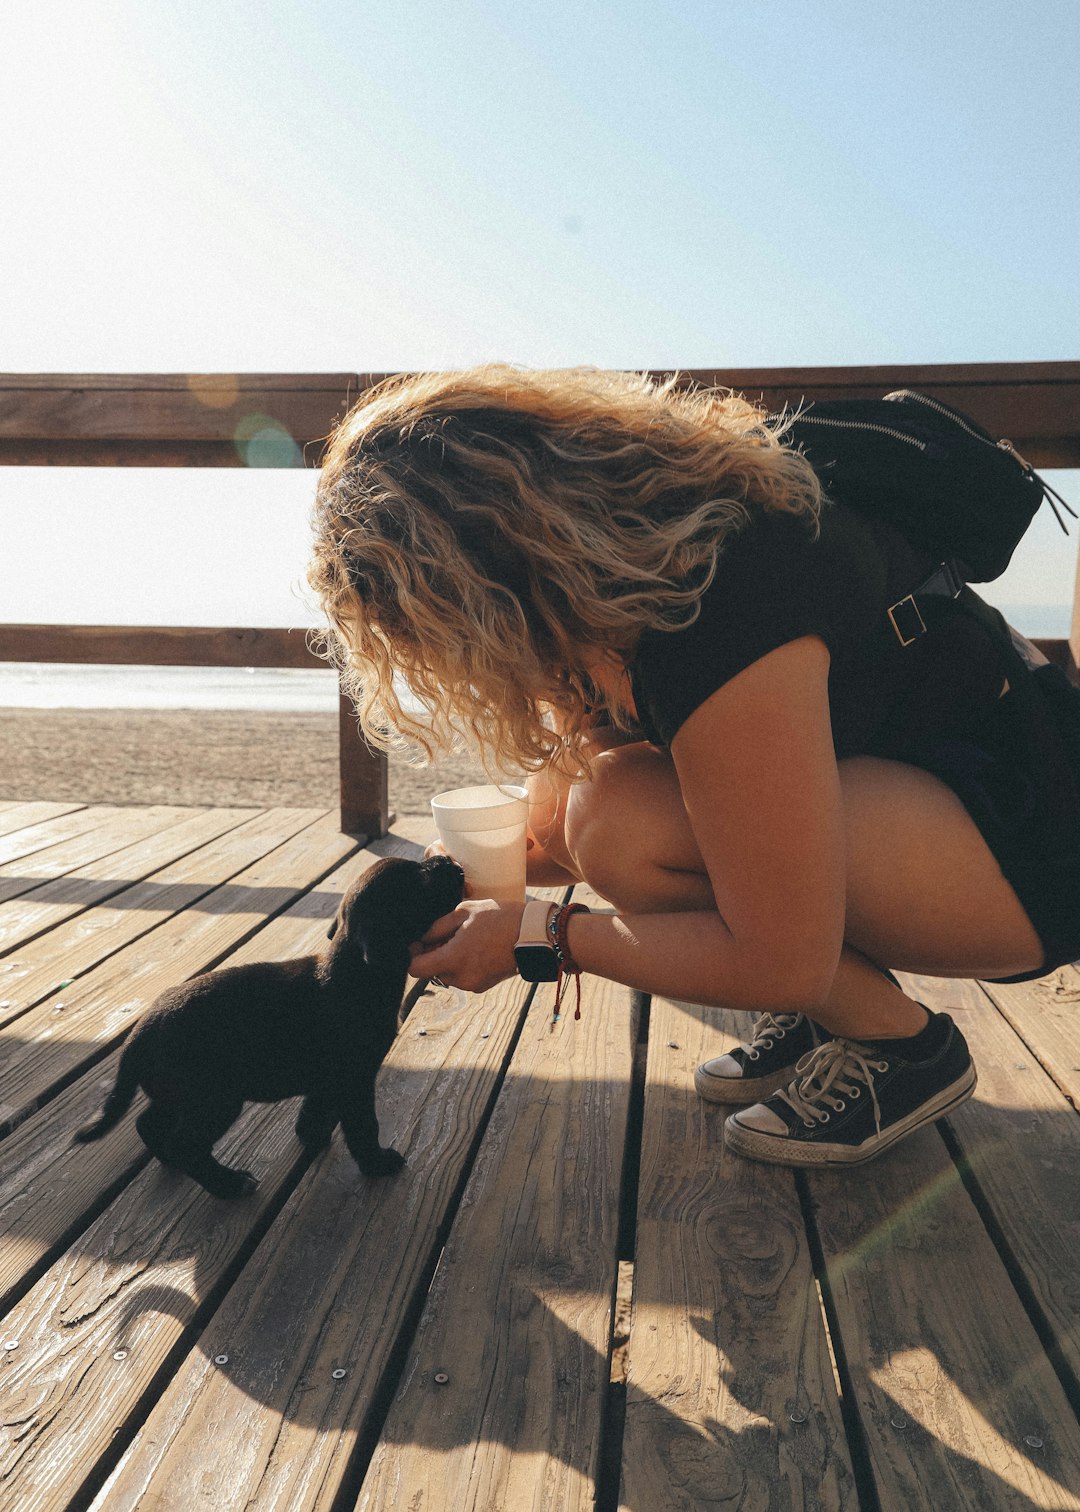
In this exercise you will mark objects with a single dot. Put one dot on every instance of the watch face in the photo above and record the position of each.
(536, 963)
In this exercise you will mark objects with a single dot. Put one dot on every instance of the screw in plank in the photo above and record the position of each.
(441, 1378)
(800, 1416)
(899, 1422)
(11, 1344)
(221, 1359)
(338, 1375)
(672, 1045)
(1033, 1441)
(421, 1033)
(120, 1354)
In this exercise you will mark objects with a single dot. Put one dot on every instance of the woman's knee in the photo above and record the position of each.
(628, 833)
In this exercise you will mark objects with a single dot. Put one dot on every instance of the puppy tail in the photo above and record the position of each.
(116, 1104)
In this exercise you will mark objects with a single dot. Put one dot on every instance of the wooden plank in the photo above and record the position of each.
(1044, 1015)
(97, 1328)
(16, 815)
(957, 1401)
(50, 1188)
(1021, 1141)
(178, 407)
(53, 902)
(38, 837)
(46, 1187)
(730, 1389)
(125, 826)
(32, 973)
(157, 646)
(518, 1422)
(46, 1047)
(62, 453)
(209, 384)
(208, 420)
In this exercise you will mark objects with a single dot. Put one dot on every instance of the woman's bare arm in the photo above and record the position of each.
(759, 780)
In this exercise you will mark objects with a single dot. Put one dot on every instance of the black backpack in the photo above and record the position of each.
(929, 470)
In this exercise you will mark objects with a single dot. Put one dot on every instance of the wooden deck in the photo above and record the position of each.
(903, 1336)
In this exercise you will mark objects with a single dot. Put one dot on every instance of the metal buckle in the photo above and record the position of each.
(915, 631)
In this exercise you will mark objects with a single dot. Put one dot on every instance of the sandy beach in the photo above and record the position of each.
(194, 756)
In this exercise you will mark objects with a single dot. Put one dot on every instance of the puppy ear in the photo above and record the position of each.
(353, 933)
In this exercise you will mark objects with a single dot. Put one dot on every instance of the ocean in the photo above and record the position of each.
(33, 685)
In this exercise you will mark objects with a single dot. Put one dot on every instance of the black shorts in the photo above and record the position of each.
(1018, 775)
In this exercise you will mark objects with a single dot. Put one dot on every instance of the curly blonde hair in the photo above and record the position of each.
(480, 535)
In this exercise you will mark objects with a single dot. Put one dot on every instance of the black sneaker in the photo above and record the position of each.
(778, 1041)
(851, 1100)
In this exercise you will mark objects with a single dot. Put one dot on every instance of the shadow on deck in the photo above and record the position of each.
(899, 1336)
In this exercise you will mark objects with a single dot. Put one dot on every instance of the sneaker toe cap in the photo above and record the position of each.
(760, 1119)
(722, 1068)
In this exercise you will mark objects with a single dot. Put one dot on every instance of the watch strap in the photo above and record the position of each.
(534, 923)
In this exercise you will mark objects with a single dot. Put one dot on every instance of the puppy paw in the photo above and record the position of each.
(382, 1163)
(233, 1184)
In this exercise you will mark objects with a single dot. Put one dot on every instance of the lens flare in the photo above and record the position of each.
(215, 390)
(264, 442)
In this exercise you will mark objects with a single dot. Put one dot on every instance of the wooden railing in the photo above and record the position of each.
(283, 420)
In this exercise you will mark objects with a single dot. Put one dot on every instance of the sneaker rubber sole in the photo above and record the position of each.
(741, 1089)
(780, 1150)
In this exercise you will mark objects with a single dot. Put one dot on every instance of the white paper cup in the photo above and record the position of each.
(484, 829)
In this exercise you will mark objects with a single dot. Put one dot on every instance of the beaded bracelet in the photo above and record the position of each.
(557, 926)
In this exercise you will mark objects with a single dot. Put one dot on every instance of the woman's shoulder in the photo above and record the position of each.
(779, 577)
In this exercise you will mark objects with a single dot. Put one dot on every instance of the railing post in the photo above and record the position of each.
(365, 798)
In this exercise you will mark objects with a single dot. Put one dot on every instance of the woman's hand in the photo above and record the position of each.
(472, 947)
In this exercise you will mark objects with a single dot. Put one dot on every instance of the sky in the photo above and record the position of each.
(331, 186)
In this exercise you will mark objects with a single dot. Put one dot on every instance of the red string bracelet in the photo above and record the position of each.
(557, 929)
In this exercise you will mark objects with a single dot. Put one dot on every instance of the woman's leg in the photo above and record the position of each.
(924, 892)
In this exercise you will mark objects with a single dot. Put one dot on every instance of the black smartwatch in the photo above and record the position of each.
(534, 951)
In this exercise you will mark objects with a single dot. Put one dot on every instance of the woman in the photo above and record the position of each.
(638, 593)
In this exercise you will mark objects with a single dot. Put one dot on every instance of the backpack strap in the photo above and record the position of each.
(911, 616)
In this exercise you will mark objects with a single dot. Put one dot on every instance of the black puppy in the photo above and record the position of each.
(317, 1027)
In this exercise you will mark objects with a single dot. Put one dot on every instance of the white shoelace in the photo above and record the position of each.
(828, 1075)
(769, 1027)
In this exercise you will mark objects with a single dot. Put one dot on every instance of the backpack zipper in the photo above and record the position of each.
(1050, 495)
(943, 409)
(809, 418)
